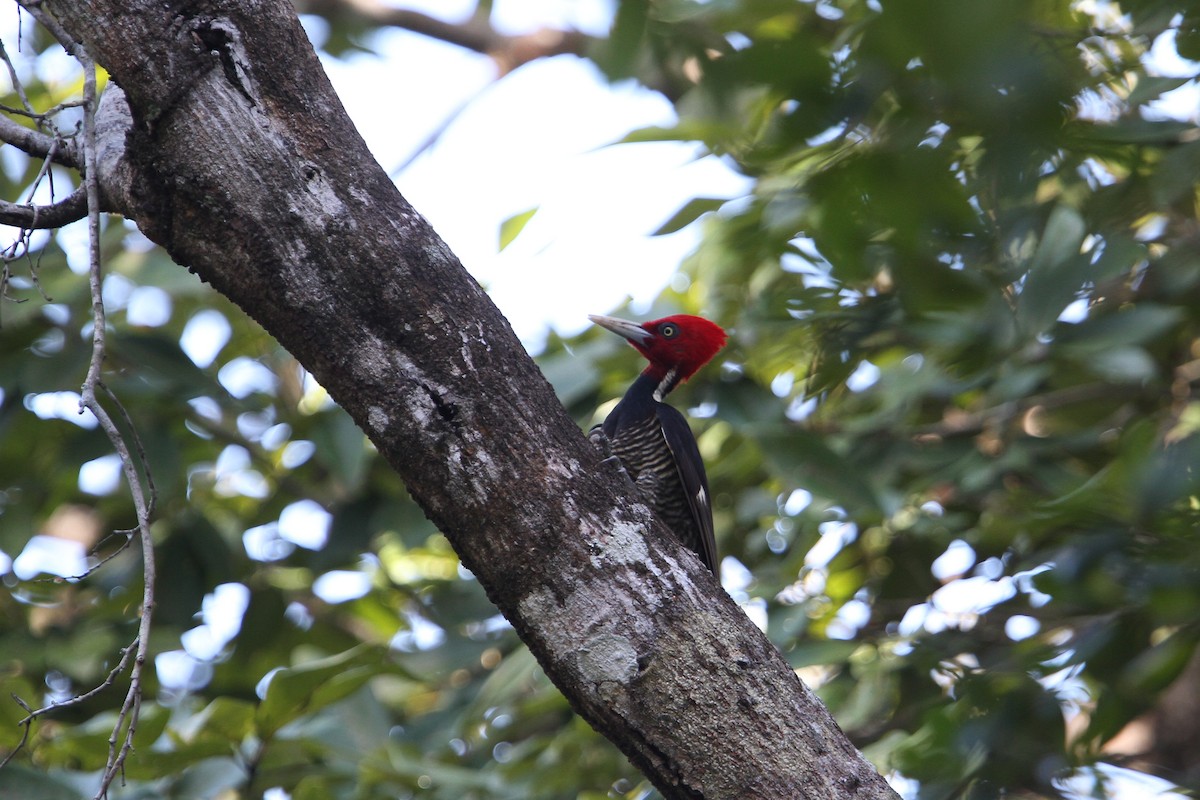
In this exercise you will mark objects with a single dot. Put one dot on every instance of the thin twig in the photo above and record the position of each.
(119, 746)
(151, 490)
(33, 713)
(124, 730)
(18, 87)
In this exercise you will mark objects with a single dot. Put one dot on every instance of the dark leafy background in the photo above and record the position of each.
(969, 517)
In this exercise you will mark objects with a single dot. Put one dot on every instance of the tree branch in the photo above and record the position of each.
(475, 33)
(38, 144)
(31, 217)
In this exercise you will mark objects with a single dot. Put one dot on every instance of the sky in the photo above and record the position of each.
(542, 137)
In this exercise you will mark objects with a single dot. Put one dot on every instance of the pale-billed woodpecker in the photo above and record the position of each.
(652, 440)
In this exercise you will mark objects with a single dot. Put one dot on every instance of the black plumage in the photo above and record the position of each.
(652, 440)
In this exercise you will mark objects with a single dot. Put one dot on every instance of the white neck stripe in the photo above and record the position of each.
(665, 385)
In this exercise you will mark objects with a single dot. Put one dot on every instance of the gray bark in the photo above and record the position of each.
(237, 157)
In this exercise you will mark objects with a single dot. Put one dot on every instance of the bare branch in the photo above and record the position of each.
(475, 33)
(32, 217)
(39, 144)
(32, 714)
(12, 75)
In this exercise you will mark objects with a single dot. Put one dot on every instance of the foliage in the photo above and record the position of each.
(964, 293)
(953, 439)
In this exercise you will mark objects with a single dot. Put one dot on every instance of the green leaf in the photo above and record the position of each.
(691, 211)
(1056, 272)
(810, 463)
(225, 718)
(511, 228)
(620, 51)
(1187, 37)
(341, 447)
(1137, 325)
(18, 780)
(296, 691)
(1175, 177)
(1150, 88)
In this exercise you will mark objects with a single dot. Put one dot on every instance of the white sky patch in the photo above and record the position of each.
(1019, 627)
(58, 313)
(756, 610)
(60, 405)
(252, 425)
(244, 376)
(734, 575)
(233, 476)
(221, 613)
(1024, 581)
(1076, 312)
(781, 384)
(864, 377)
(263, 543)
(797, 501)
(736, 580)
(975, 595)
(148, 307)
(206, 407)
(204, 335)
(296, 453)
(958, 558)
(276, 436)
(913, 619)
(178, 670)
(100, 476)
(1107, 780)
(550, 156)
(298, 615)
(1164, 60)
(907, 788)
(73, 239)
(834, 536)
(305, 523)
(223, 608)
(115, 292)
(850, 617)
(421, 634)
(341, 585)
(50, 555)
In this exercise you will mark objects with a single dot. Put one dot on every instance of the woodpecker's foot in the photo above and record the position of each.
(601, 442)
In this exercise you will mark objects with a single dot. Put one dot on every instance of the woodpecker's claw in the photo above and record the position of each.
(601, 442)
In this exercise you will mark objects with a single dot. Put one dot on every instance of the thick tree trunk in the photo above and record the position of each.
(241, 162)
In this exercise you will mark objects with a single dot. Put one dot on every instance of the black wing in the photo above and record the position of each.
(687, 459)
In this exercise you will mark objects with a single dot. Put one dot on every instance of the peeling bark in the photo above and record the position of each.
(238, 158)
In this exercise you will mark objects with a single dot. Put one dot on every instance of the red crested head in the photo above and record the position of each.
(680, 343)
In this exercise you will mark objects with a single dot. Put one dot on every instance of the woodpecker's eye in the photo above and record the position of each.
(668, 331)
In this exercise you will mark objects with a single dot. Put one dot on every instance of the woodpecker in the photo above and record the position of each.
(652, 440)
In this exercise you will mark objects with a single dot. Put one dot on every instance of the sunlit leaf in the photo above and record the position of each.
(693, 210)
(511, 228)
